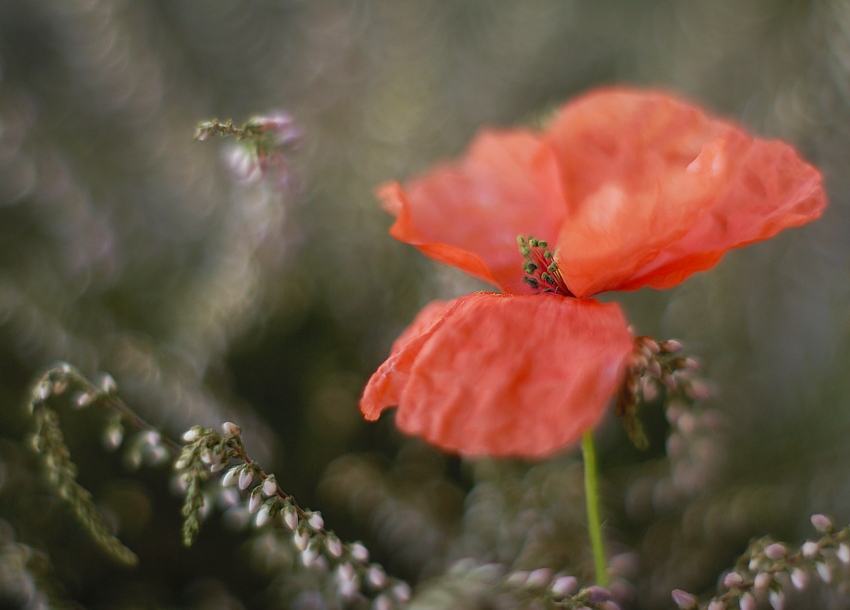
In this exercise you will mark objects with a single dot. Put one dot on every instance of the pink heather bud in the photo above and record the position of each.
(215, 467)
(345, 571)
(697, 390)
(382, 602)
(359, 552)
(316, 522)
(653, 367)
(301, 540)
(263, 516)
(717, 605)
(648, 388)
(651, 345)
(402, 592)
(762, 580)
(229, 429)
(799, 579)
(517, 579)
(207, 457)
(692, 364)
(191, 435)
(810, 549)
(683, 599)
(598, 594)
(269, 487)
(748, 602)
(822, 523)
(376, 577)
(609, 605)
(106, 383)
(42, 391)
(824, 572)
(687, 423)
(290, 518)
(346, 588)
(113, 438)
(539, 578)
(670, 346)
(843, 552)
(565, 585)
(754, 564)
(777, 600)
(334, 547)
(84, 399)
(229, 477)
(308, 556)
(246, 477)
(775, 551)
(733, 580)
(254, 503)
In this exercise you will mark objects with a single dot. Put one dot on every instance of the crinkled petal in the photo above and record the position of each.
(658, 190)
(469, 214)
(504, 375)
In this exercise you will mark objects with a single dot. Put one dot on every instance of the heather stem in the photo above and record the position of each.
(594, 525)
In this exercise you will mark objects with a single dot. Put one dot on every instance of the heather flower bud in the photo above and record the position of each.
(810, 549)
(382, 602)
(334, 547)
(598, 594)
(539, 578)
(107, 384)
(822, 523)
(301, 540)
(263, 516)
(42, 391)
(762, 580)
(717, 605)
(269, 487)
(733, 580)
(246, 477)
(777, 600)
(376, 577)
(359, 552)
(670, 346)
(775, 551)
(843, 552)
(825, 572)
(316, 522)
(191, 435)
(218, 466)
(290, 518)
(229, 429)
(113, 437)
(402, 592)
(229, 477)
(799, 579)
(518, 578)
(748, 602)
(683, 599)
(753, 565)
(254, 503)
(84, 399)
(565, 585)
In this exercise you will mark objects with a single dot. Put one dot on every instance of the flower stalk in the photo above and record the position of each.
(594, 523)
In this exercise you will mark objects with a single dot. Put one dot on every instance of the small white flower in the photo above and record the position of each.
(301, 540)
(683, 599)
(843, 552)
(290, 517)
(263, 516)
(824, 572)
(402, 592)
(254, 503)
(810, 549)
(775, 551)
(762, 581)
(269, 487)
(777, 600)
(191, 435)
(799, 579)
(822, 523)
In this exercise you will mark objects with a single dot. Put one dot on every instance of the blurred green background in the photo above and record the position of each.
(126, 247)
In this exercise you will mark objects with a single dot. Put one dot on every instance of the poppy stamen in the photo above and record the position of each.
(541, 270)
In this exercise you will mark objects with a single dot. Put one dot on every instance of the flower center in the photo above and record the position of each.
(541, 270)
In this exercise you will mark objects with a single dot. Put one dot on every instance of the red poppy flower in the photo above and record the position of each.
(631, 189)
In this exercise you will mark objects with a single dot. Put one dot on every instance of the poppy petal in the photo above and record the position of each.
(469, 214)
(658, 190)
(504, 375)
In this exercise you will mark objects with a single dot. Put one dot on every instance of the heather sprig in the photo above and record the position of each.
(768, 569)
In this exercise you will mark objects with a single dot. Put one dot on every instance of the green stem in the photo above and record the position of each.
(594, 524)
